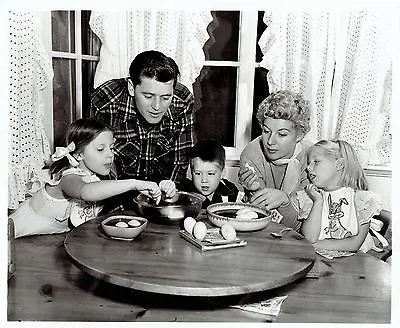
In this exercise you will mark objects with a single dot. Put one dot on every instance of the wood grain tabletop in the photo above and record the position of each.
(160, 261)
(47, 286)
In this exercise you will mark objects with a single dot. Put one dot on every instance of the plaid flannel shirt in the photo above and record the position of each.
(142, 150)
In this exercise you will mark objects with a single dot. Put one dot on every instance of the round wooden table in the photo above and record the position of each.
(160, 261)
(47, 286)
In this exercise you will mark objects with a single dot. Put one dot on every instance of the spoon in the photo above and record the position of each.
(280, 233)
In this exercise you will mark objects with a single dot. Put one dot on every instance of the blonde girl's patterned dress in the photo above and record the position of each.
(343, 211)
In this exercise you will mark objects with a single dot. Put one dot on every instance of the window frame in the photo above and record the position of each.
(77, 56)
(246, 66)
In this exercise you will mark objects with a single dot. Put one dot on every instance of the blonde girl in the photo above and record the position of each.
(337, 207)
(73, 194)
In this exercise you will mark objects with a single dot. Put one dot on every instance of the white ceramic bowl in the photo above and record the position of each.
(129, 232)
(221, 213)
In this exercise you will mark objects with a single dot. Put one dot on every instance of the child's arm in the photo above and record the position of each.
(74, 186)
(351, 244)
(312, 225)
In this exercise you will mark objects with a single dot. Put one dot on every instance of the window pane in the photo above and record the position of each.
(88, 70)
(215, 101)
(64, 104)
(224, 36)
(90, 41)
(260, 30)
(261, 91)
(63, 30)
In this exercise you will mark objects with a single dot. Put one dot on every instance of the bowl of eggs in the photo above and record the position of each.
(125, 227)
(243, 217)
(170, 211)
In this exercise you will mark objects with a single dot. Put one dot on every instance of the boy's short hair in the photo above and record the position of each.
(208, 150)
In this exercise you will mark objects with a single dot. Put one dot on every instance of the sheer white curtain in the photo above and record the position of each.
(30, 71)
(342, 62)
(178, 34)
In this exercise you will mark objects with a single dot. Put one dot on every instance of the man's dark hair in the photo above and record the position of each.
(155, 65)
(209, 150)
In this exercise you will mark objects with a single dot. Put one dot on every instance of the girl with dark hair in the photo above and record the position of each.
(72, 196)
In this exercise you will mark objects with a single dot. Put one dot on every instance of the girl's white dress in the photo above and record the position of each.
(343, 210)
(43, 214)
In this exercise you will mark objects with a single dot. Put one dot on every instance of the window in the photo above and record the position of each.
(227, 92)
(231, 85)
(75, 53)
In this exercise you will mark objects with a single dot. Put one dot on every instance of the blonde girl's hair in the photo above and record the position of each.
(352, 174)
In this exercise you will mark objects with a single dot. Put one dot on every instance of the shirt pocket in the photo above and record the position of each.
(128, 155)
(164, 146)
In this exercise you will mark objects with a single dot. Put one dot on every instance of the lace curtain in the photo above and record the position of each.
(342, 62)
(30, 71)
(178, 34)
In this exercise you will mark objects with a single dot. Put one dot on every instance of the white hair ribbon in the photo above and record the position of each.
(62, 152)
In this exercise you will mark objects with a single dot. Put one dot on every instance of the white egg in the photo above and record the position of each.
(228, 232)
(246, 214)
(243, 210)
(189, 224)
(200, 230)
(134, 223)
(248, 166)
(121, 224)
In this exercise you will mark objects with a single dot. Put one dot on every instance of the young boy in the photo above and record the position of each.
(207, 165)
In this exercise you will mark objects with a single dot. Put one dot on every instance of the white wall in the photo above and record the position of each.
(383, 186)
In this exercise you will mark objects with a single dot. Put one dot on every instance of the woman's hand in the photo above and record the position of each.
(313, 192)
(269, 198)
(168, 187)
(248, 179)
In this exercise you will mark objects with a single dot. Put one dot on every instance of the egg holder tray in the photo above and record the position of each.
(212, 240)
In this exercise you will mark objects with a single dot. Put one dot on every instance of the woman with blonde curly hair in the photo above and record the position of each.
(273, 166)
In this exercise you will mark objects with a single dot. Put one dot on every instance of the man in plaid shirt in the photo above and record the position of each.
(152, 117)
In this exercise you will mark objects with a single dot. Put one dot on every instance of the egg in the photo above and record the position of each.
(189, 224)
(243, 210)
(228, 232)
(248, 166)
(246, 214)
(121, 224)
(199, 230)
(134, 223)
